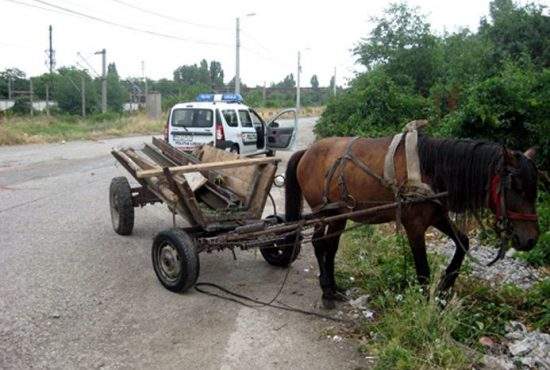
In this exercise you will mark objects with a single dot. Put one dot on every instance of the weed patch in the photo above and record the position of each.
(414, 329)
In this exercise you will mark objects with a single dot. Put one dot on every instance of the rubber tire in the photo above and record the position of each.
(235, 149)
(188, 258)
(120, 194)
(281, 257)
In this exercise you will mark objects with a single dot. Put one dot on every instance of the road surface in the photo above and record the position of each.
(73, 294)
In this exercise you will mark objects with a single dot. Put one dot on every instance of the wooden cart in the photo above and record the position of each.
(215, 193)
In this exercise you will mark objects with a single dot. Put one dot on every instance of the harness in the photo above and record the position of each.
(412, 187)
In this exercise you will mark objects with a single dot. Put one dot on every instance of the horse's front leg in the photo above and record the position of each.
(462, 244)
(319, 245)
(332, 242)
(326, 246)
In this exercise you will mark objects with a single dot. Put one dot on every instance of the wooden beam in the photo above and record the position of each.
(207, 166)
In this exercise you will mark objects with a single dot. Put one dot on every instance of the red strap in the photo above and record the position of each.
(494, 203)
(522, 216)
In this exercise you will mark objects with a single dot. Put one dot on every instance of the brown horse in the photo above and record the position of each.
(475, 174)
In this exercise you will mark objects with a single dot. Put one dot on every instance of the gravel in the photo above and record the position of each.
(508, 270)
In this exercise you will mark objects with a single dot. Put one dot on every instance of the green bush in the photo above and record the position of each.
(374, 105)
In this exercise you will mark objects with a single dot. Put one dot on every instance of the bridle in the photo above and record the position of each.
(498, 188)
(497, 200)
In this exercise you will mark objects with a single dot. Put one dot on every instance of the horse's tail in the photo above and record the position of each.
(293, 193)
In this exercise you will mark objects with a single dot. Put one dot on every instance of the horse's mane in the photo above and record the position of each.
(462, 167)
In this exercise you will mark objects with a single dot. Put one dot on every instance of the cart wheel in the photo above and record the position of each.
(122, 209)
(175, 260)
(282, 256)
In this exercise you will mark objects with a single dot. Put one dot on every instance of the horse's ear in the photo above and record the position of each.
(530, 153)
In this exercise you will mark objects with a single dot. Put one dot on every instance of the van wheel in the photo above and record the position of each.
(234, 149)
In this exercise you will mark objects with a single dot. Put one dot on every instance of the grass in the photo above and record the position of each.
(413, 329)
(43, 129)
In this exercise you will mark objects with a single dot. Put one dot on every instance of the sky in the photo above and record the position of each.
(324, 32)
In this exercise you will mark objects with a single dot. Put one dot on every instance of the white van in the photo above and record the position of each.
(224, 121)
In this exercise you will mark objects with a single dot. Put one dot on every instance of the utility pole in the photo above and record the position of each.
(103, 52)
(51, 66)
(31, 96)
(298, 85)
(144, 78)
(334, 84)
(237, 60)
(237, 53)
(50, 51)
(264, 94)
(83, 95)
(9, 87)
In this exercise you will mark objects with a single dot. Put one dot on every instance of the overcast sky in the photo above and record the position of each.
(206, 29)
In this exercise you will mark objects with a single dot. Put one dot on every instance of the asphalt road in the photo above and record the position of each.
(73, 294)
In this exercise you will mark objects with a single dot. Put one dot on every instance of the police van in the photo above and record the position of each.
(225, 122)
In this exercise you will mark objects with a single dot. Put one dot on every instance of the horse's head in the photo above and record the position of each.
(513, 195)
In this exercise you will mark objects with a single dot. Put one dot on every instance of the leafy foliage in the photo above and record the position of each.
(492, 84)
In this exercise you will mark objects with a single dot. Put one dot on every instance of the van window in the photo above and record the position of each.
(190, 117)
(246, 121)
(230, 117)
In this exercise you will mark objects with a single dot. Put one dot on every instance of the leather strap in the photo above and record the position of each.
(389, 165)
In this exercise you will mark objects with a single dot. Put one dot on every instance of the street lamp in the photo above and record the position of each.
(237, 58)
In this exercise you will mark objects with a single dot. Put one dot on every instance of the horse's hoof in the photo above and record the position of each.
(339, 296)
(328, 304)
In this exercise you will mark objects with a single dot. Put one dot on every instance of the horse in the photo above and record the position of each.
(475, 174)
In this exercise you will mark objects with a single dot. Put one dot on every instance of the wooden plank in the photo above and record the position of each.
(240, 180)
(207, 166)
(263, 187)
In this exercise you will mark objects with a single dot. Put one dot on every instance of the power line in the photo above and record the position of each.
(63, 10)
(87, 63)
(126, 26)
(170, 18)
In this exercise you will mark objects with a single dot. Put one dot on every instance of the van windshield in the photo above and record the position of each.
(190, 117)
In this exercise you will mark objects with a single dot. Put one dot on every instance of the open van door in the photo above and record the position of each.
(282, 135)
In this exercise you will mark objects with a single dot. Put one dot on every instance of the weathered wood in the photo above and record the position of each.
(181, 158)
(205, 166)
(122, 157)
(311, 220)
(241, 180)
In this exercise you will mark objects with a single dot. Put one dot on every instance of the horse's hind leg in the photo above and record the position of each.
(462, 245)
(417, 242)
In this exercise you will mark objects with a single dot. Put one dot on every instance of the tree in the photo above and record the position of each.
(403, 44)
(201, 74)
(18, 81)
(287, 83)
(117, 95)
(216, 74)
(515, 31)
(314, 82)
(66, 90)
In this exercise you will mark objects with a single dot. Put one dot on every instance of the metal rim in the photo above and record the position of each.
(168, 262)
